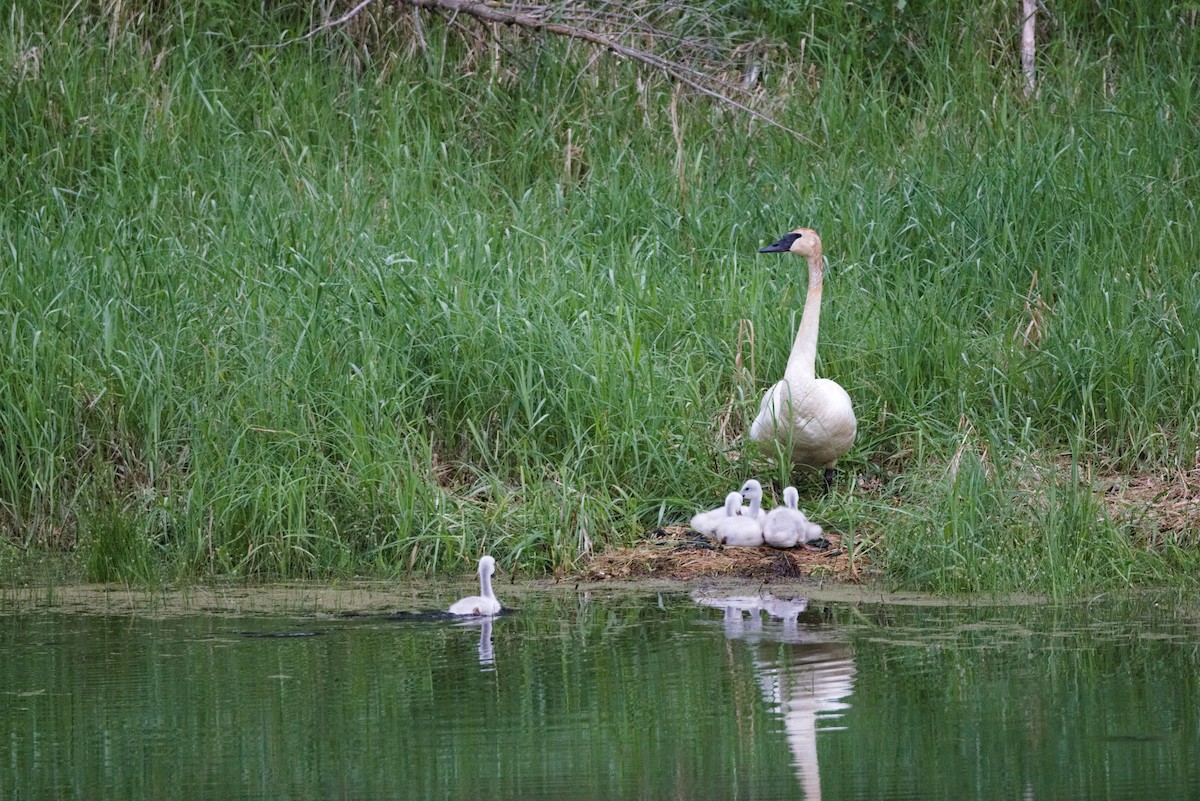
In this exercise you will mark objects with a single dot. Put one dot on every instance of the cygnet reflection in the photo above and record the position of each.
(786, 609)
(487, 658)
(805, 682)
(743, 615)
(736, 607)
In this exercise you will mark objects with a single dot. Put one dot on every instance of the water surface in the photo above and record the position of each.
(619, 696)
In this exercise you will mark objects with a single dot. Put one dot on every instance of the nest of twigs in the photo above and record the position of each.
(1160, 507)
(676, 552)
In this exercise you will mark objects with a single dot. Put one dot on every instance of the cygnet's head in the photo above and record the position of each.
(487, 566)
(751, 489)
(791, 498)
(733, 504)
(803, 242)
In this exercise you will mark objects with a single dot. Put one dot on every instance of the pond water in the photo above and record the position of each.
(607, 696)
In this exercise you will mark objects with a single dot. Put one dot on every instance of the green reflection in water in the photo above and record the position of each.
(622, 698)
(1076, 702)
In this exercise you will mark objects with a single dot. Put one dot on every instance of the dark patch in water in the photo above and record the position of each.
(438, 614)
(1132, 738)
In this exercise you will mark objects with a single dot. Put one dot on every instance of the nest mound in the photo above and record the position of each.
(1159, 507)
(676, 552)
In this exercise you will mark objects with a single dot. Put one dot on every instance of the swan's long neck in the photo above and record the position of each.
(802, 363)
(485, 584)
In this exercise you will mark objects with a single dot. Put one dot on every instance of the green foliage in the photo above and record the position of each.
(980, 531)
(327, 309)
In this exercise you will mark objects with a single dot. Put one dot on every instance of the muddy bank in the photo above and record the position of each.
(368, 597)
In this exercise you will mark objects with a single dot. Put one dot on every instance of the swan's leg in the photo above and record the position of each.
(829, 474)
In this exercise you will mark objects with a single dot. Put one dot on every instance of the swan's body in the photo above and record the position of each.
(706, 522)
(811, 418)
(485, 603)
(737, 529)
(786, 526)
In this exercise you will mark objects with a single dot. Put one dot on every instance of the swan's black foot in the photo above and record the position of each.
(820, 544)
(829, 474)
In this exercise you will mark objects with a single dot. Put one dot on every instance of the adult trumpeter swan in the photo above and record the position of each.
(485, 603)
(786, 526)
(737, 529)
(812, 418)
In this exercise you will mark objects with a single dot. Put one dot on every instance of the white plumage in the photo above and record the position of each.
(485, 603)
(706, 522)
(786, 526)
(811, 418)
(737, 529)
(752, 491)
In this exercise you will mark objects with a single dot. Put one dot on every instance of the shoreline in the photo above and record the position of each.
(366, 596)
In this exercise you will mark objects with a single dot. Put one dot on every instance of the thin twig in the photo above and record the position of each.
(342, 20)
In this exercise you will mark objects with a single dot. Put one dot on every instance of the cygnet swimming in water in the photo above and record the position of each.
(737, 529)
(485, 603)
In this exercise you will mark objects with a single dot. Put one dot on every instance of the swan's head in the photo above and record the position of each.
(791, 498)
(751, 489)
(487, 566)
(803, 242)
(733, 504)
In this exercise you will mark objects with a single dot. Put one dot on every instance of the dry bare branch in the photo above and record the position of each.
(622, 29)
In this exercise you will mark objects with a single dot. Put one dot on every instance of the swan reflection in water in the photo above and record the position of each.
(805, 682)
(487, 659)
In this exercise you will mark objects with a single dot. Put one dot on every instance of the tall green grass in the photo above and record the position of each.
(272, 311)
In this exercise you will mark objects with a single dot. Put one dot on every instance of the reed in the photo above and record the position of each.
(313, 311)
